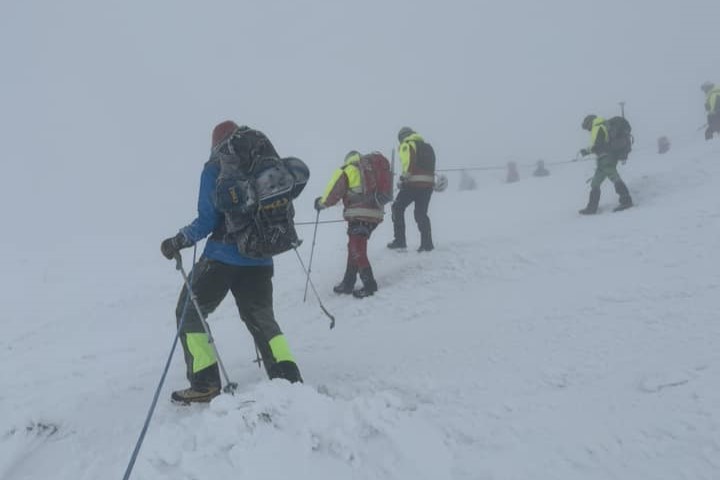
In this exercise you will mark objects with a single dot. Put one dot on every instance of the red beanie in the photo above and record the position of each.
(222, 131)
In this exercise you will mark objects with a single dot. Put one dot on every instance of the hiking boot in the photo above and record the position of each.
(593, 202)
(195, 395)
(396, 245)
(369, 284)
(363, 292)
(426, 243)
(622, 207)
(347, 284)
(624, 194)
(287, 370)
(587, 211)
(343, 288)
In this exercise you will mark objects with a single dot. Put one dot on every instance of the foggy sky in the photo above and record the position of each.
(103, 100)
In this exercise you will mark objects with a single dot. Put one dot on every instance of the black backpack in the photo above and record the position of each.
(424, 157)
(620, 139)
(255, 190)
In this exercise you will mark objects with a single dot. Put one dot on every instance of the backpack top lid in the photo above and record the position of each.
(242, 148)
(619, 124)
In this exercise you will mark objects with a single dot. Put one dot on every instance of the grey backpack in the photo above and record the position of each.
(255, 190)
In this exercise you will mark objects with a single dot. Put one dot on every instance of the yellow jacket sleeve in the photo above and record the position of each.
(335, 188)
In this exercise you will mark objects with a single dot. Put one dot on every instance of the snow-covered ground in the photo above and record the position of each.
(533, 343)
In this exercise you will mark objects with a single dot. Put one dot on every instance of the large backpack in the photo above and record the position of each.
(376, 177)
(255, 190)
(620, 139)
(424, 157)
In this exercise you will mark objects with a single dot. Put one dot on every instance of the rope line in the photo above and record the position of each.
(321, 221)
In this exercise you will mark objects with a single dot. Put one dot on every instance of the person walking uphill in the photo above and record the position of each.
(416, 185)
(363, 212)
(712, 107)
(222, 268)
(606, 165)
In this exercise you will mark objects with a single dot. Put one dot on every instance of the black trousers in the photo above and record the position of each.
(713, 125)
(421, 198)
(253, 292)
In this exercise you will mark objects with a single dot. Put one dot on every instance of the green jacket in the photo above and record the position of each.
(598, 137)
(712, 101)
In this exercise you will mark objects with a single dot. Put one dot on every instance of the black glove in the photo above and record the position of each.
(172, 246)
(318, 204)
(585, 152)
(402, 181)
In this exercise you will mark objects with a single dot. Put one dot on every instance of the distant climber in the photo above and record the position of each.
(540, 170)
(512, 173)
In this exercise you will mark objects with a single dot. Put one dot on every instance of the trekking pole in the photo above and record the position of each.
(704, 126)
(312, 251)
(622, 109)
(322, 307)
(153, 404)
(392, 172)
(258, 358)
(230, 387)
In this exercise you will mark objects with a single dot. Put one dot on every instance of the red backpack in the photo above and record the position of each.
(376, 177)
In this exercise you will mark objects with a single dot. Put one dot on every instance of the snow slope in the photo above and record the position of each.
(533, 343)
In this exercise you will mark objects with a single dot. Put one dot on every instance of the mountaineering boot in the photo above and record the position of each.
(398, 219)
(593, 202)
(195, 395)
(426, 243)
(625, 200)
(347, 284)
(369, 284)
(287, 370)
(204, 386)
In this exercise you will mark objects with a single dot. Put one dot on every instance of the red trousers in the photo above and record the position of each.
(358, 235)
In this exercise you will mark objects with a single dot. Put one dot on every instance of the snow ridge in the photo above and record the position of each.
(531, 344)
